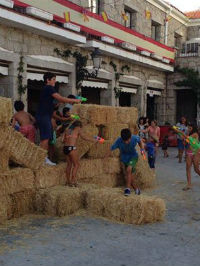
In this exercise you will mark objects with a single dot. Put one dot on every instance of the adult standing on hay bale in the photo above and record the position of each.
(129, 157)
(46, 108)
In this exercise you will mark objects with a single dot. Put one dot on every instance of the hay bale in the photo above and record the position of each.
(99, 151)
(104, 180)
(21, 150)
(16, 180)
(59, 155)
(96, 167)
(144, 176)
(4, 160)
(96, 114)
(58, 201)
(49, 176)
(5, 208)
(5, 111)
(134, 209)
(22, 203)
(113, 131)
(127, 115)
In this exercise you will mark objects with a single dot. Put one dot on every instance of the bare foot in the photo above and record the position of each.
(187, 188)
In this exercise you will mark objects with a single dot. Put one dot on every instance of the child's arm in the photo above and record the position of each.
(33, 120)
(13, 121)
(62, 99)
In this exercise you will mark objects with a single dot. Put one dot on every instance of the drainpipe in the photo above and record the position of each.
(166, 26)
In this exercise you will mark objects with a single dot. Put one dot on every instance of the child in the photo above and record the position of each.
(129, 157)
(151, 151)
(191, 157)
(141, 127)
(70, 138)
(25, 121)
(45, 110)
(165, 145)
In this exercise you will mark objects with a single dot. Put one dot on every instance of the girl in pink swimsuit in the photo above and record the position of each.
(192, 158)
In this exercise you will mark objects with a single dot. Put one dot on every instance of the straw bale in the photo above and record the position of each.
(96, 167)
(49, 176)
(4, 160)
(5, 208)
(16, 180)
(113, 131)
(21, 150)
(134, 209)
(145, 177)
(5, 110)
(59, 201)
(99, 151)
(59, 155)
(127, 115)
(104, 180)
(96, 114)
(22, 202)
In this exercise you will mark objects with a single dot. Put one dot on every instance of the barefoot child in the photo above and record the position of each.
(129, 157)
(70, 138)
(150, 147)
(25, 121)
(165, 145)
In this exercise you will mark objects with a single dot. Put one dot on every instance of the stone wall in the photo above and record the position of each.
(193, 32)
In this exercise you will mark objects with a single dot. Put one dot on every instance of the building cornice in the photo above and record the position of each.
(169, 9)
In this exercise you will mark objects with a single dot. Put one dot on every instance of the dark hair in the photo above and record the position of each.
(194, 129)
(71, 96)
(48, 76)
(19, 106)
(65, 110)
(141, 118)
(125, 134)
(186, 122)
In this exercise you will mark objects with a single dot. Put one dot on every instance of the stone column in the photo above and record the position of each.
(107, 96)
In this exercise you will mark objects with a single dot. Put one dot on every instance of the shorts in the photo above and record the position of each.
(28, 132)
(68, 149)
(151, 161)
(45, 127)
(133, 163)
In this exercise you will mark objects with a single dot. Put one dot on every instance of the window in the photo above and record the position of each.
(155, 31)
(132, 17)
(94, 6)
(177, 40)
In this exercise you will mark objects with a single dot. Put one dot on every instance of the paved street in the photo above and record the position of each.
(81, 240)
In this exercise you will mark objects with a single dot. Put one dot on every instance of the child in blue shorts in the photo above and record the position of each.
(129, 157)
(150, 147)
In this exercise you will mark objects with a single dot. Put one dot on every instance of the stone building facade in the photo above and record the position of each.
(146, 81)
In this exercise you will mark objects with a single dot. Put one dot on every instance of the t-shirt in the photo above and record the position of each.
(183, 128)
(150, 147)
(127, 151)
(46, 104)
(141, 127)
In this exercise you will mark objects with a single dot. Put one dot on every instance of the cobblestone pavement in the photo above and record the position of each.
(82, 240)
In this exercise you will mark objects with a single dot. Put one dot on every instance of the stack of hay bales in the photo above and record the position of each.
(40, 188)
(17, 186)
(99, 195)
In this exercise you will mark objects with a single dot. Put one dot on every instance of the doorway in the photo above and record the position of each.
(125, 99)
(92, 94)
(186, 105)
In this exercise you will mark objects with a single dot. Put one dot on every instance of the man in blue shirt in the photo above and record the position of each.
(129, 156)
(46, 108)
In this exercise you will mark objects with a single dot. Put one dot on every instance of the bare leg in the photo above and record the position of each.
(68, 170)
(44, 144)
(75, 161)
(129, 176)
(133, 182)
(180, 156)
(196, 162)
(188, 172)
